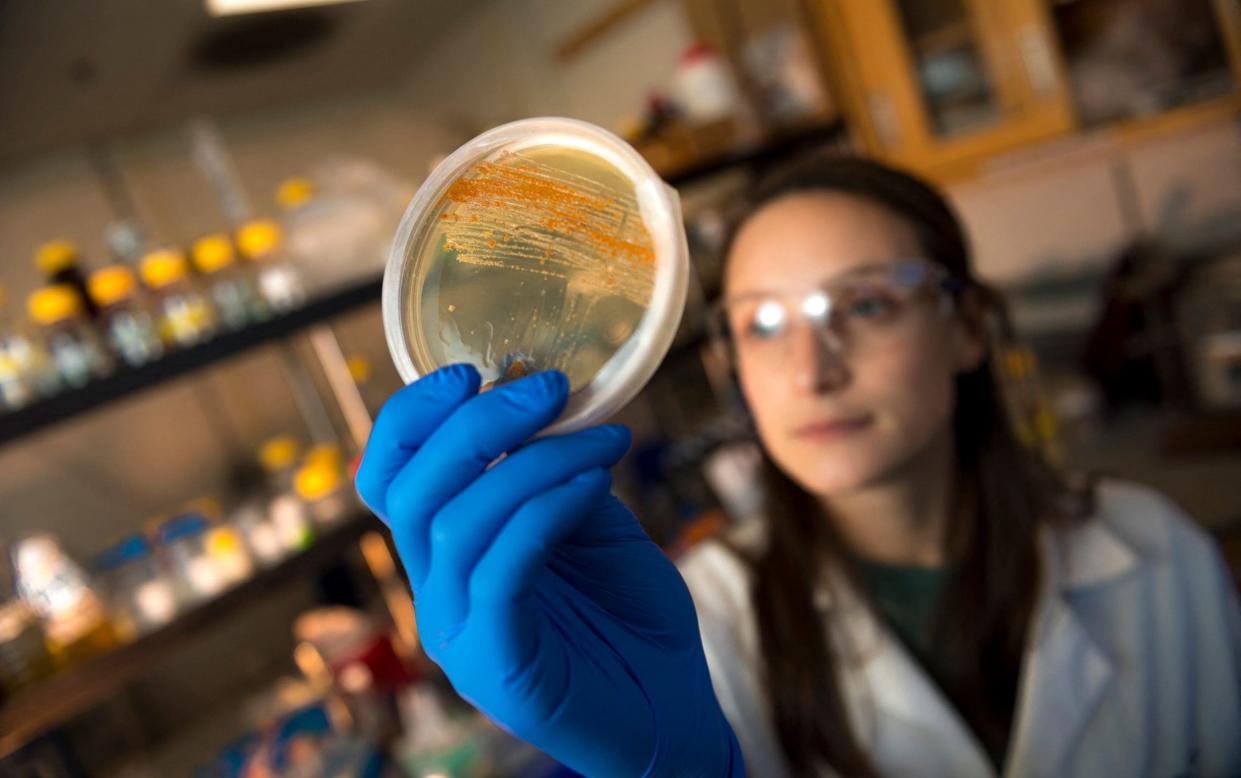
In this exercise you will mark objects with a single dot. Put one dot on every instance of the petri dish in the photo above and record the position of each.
(541, 244)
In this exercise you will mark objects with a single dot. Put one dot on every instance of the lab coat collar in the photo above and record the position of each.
(1084, 556)
(1064, 674)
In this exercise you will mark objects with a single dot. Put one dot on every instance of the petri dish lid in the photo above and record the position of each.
(545, 243)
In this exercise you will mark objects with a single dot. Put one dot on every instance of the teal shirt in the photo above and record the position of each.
(907, 599)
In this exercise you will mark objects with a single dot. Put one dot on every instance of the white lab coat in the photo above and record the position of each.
(1133, 666)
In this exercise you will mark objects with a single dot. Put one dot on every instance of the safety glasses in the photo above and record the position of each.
(859, 311)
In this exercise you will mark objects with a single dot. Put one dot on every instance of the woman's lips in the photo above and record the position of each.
(832, 429)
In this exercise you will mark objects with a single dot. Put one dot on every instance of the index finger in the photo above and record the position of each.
(407, 419)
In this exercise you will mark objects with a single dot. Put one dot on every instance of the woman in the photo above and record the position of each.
(925, 597)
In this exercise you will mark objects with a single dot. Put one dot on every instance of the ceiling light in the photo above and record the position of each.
(233, 7)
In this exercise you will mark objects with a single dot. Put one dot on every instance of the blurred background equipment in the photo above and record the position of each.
(197, 199)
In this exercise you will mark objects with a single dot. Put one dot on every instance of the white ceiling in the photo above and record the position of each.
(79, 70)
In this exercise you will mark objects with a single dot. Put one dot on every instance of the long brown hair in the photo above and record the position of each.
(1005, 492)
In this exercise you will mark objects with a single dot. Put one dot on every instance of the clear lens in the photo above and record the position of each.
(861, 310)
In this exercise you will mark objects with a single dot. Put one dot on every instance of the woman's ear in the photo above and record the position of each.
(969, 331)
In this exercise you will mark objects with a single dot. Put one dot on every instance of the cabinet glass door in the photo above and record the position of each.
(952, 72)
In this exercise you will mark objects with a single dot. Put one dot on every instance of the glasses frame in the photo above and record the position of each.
(932, 277)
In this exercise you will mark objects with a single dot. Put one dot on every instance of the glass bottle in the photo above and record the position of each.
(58, 589)
(184, 316)
(231, 290)
(321, 485)
(16, 390)
(126, 321)
(24, 657)
(184, 542)
(141, 598)
(26, 370)
(278, 280)
(71, 342)
(285, 510)
(261, 535)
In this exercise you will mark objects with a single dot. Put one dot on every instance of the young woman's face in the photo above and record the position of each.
(855, 406)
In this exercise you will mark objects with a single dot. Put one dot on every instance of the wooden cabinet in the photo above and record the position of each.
(942, 85)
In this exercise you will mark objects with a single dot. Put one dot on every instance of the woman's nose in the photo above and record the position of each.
(816, 358)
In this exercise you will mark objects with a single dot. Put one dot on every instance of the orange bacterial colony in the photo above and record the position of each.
(534, 260)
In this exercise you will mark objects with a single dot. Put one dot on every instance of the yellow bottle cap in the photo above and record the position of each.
(259, 238)
(55, 255)
(316, 480)
(111, 284)
(292, 192)
(325, 454)
(211, 253)
(278, 452)
(360, 369)
(163, 267)
(222, 542)
(53, 304)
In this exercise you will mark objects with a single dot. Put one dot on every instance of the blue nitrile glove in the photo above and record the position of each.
(537, 591)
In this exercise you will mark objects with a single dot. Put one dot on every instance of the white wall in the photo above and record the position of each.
(1074, 205)
(499, 63)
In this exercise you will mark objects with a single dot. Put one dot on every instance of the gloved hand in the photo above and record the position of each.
(536, 590)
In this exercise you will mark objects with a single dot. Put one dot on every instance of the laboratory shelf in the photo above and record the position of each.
(125, 382)
(77, 688)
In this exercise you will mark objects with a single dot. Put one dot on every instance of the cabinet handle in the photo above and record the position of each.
(883, 118)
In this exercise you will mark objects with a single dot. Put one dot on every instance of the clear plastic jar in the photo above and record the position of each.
(278, 279)
(127, 322)
(261, 535)
(195, 573)
(232, 292)
(184, 316)
(70, 340)
(58, 589)
(140, 596)
(338, 224)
